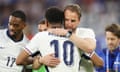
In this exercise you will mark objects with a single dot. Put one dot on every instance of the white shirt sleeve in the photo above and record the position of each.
(85, 33)
(33, 45)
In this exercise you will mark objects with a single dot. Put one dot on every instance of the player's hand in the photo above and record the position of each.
(49, 60)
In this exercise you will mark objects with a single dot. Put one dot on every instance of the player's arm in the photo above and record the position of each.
(85, 44)
(97, 60)
(24, 58)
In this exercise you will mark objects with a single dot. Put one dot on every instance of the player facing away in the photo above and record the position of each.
(12, 40)
(48, 43)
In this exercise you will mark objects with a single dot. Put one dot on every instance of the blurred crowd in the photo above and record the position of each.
(96, 14)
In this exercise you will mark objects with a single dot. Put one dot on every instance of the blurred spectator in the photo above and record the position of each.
(112, 51)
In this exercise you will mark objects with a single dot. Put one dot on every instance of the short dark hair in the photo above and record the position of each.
(114, 28)
(54, 15)
(19, 14)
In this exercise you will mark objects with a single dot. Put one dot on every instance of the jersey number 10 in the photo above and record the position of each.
(66, 46)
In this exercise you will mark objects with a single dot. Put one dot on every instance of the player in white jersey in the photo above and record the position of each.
(48, 59)
(47, 43)
(63, 48)
(83, 38)
(12, 40)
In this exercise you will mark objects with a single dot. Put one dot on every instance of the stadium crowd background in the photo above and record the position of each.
(96, 14)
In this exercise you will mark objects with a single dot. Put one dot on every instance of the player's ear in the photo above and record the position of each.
(24, 24)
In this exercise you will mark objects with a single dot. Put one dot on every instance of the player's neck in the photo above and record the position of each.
(18, 37)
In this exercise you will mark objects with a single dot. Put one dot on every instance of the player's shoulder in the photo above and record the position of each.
(84, 29)
(47, 35)
(3, 30)
(43, 33)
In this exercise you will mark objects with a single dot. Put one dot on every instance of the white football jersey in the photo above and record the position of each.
(9, 50)
(63, 48)
(86, 33)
